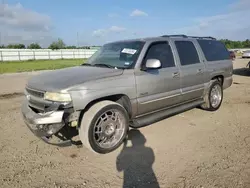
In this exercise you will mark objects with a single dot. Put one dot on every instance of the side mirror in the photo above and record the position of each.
(153, 64)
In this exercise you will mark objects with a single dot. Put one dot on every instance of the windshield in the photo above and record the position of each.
(118, 55)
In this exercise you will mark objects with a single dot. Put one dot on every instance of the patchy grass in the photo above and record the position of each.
(35, 65)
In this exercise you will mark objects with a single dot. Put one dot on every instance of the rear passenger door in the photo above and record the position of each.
(192, 70)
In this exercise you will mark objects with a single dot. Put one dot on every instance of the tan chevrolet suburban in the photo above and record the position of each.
(129, 83)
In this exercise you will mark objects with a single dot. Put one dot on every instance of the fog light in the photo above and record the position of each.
(74, 123)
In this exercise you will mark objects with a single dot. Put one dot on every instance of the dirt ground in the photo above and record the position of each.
(192, 149)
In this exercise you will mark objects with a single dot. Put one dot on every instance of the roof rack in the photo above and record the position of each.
(208, 37)
(185, 36)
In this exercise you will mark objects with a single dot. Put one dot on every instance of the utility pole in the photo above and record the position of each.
(77, 39)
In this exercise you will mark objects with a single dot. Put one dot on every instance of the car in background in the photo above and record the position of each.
(232, 55)
(246, 54)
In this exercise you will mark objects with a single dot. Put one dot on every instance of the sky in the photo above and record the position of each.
(93, 22)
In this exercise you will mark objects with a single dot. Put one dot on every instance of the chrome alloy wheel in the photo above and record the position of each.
(109, 129)
(216, 96)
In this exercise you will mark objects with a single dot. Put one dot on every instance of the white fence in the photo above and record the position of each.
(27, 54)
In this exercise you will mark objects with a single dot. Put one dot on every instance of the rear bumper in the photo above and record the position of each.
(228, 81)
(44, 125)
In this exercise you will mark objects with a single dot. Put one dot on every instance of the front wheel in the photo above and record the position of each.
(214, 97)
(104, 126)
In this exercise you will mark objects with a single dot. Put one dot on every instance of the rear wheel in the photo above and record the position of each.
(104, 127)
(214, 97)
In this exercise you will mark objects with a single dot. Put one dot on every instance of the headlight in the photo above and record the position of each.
(58, 97)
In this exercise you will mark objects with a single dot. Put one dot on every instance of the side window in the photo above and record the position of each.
(214, 50)
(187, 52)
(161, 51)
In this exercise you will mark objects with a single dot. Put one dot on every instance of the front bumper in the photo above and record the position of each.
(45, 125)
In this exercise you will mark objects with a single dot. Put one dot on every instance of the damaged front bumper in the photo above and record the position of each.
(46, 125)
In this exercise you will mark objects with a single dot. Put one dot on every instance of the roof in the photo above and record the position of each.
(149, 39)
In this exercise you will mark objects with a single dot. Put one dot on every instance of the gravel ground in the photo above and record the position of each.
(192, 149)
(14, 82)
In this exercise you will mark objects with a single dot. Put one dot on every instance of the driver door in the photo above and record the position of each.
(158, 88)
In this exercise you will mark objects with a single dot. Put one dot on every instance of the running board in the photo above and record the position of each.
(163, 114)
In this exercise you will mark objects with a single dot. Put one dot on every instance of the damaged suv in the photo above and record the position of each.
(130, 83)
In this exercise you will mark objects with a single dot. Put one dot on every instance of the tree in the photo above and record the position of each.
(246, 43)
(59, 44)
(84, 47)
(236, 44)
(70, 47)
(21, 46)
(34, 46)
(16, 46)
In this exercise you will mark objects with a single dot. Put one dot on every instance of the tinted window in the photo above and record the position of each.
(214, 50)
(162, 52)
(187, 52)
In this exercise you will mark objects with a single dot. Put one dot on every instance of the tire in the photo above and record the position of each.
(102, 113)
(209, 105)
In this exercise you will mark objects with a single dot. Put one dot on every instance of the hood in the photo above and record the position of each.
(57, 80)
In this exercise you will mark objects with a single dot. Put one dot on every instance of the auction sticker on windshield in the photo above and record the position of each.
(129, 51)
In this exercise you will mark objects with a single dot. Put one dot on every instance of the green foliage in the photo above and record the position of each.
(16, 46)
(59, 44)
(34, 65)
(71, 47)
(34, 46)
(2, 46)
(84, 47)
(236, 44)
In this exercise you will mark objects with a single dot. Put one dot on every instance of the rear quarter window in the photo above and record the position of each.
(214, 50)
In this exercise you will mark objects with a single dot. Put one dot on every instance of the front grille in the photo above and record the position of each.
(32, 92)
(37, 105)
(36, 101)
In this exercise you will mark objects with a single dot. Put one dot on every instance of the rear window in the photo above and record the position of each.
(214, 50)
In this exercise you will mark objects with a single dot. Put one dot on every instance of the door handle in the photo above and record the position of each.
(176, 75)
(199, 71)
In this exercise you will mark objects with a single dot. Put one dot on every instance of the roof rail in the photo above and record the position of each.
(185, 36)
(208, 37)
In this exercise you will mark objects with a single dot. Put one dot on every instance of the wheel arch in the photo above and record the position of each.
(122, 99)
(220, 78)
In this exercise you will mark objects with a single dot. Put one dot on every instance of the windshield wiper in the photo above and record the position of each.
(86, 64)
(103, 65)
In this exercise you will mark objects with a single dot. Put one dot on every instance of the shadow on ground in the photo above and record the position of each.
(242, 71)
(68, 133)
(136, 162)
